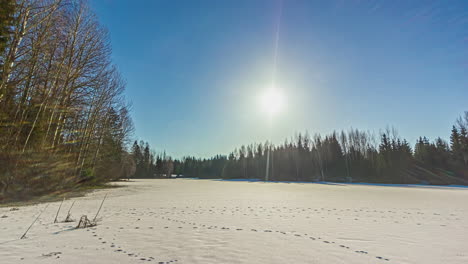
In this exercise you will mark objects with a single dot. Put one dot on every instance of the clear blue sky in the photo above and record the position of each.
(194, 68)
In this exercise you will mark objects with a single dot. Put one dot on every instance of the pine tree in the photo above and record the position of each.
(137, 156)
(463, 144)
(159, 165)
(455, 144)
(146, 161)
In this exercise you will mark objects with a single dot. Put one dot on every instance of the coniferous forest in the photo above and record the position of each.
(346, 156)
(63, 119)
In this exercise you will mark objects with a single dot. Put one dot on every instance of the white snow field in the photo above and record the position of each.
(206, 221)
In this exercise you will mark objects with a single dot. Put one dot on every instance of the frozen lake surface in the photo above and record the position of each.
(205, 221)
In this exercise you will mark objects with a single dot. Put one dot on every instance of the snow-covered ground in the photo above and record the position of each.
(204, 221)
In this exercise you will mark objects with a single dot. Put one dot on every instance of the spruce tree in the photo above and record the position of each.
(455, 144)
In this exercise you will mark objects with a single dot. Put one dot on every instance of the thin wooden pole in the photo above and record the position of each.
(58, 211)
(70, 208)
(24, 235)
(99, 208)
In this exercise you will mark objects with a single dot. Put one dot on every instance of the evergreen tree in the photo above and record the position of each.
(455, 142)
(138, 157)
(146, 161)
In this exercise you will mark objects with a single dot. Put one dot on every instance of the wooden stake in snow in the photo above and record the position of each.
(68, 219)
(24, 235)
(71, 207)
(58, 211)
(94, 220)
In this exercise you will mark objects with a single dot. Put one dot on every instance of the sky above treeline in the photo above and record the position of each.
(196, 68)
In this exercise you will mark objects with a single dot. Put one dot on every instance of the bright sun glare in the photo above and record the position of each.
(272, 101)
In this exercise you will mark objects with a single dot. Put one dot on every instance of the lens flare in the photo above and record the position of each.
(272, 101)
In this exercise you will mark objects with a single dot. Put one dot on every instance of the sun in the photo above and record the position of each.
(272, 101)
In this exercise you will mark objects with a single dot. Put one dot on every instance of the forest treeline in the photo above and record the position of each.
(63, 119)
(147, 164)
(346, 156)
